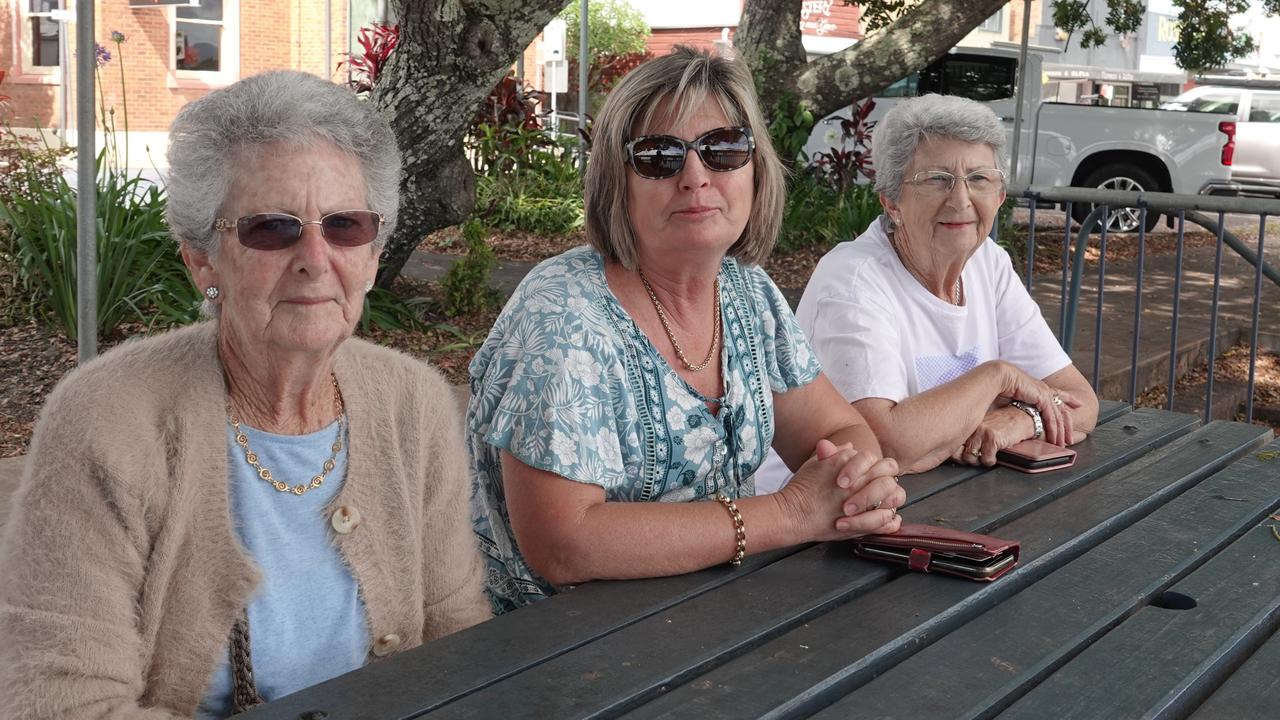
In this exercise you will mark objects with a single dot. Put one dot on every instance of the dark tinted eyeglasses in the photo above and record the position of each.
(277, 231)
(657, 157)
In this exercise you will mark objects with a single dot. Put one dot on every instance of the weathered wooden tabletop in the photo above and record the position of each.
(1149, 586)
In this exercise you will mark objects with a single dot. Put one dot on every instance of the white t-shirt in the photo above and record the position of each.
(879, 333)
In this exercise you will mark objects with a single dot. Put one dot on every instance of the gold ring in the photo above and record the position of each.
(976, 452)
(1057, 400)
(876, 505)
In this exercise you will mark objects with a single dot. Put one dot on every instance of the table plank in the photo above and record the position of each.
(1237, 596)
(1253, 690)
(987, 664)
(625, 668)
(821, 661)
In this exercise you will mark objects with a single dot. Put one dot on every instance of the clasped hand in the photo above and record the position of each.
(841, 493)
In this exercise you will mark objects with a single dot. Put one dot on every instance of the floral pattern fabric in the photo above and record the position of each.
(566, 382)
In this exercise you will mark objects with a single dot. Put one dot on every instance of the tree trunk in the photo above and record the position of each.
(920, 35)
(451, 54)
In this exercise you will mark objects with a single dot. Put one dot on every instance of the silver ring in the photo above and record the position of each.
(1057, 400)
(876, 505)
(976, 452)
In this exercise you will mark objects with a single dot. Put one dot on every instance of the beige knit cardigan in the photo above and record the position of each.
(120, 574)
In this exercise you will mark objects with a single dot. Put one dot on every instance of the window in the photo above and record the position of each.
(205, 44)
(995, 23)
(1226, 103)
(1266, 108)
(975, 77)
(41, 34)
(198, 37)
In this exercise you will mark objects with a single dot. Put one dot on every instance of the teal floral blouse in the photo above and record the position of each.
(566, 382)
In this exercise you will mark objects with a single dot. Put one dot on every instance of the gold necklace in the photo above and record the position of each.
(893, 243)
(662, 315)
(252, 458)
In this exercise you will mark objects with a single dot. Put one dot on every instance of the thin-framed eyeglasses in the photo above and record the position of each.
(940, 182)
(658, 157)
(277, 231)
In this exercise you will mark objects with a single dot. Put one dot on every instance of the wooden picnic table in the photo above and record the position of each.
(1149, 586)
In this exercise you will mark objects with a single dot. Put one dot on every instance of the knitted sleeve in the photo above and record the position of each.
(73, 557)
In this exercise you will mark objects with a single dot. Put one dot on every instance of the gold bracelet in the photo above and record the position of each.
(739, 529)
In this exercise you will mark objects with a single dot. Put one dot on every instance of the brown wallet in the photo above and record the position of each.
(928, 549)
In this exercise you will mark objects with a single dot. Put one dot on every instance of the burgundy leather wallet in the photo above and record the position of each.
(928, 548)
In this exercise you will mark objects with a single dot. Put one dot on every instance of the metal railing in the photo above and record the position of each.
(1181, 208)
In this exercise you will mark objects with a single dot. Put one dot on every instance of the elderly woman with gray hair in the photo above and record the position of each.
(630, 389)
(236, 510)
(922, 322)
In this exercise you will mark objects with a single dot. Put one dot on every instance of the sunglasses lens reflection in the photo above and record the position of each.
(658, 157)
(727, 149)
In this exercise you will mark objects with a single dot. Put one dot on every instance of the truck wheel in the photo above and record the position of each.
(1119, 177)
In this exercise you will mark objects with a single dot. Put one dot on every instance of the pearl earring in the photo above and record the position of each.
(211, 292)
(368, 285)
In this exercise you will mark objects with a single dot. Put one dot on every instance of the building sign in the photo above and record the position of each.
(1162, 33)
(1149, 92)
(829, 18)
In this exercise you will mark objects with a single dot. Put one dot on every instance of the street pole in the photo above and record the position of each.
(582, 86)
(86, 187)
(1020, 96)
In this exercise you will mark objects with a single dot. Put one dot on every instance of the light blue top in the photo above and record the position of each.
(307, 622)
(566, 382)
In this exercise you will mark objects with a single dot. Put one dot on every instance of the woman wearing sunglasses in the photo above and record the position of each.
(629, 389)
(239, 509)
(922, 322)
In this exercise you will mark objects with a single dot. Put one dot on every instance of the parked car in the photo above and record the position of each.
(1112, 148)
(1255, 106)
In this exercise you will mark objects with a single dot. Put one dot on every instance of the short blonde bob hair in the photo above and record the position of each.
(678, 84)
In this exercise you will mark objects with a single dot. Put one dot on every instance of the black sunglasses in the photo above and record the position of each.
(277, 231)
(657, 157)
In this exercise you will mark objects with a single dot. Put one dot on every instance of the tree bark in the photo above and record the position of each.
(451, 54)
(921, 34)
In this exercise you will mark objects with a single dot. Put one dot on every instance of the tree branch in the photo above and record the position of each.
(922, 34)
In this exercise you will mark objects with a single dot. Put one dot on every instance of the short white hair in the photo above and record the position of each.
(912, 121)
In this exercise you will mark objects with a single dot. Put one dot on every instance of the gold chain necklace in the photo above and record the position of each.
(252, 458)
(893, 243)
(662, 315)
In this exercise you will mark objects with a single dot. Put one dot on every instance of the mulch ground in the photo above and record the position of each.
(34, 357)
(1231, 366)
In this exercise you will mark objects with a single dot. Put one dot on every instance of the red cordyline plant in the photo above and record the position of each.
(377, 42)
(842, 165)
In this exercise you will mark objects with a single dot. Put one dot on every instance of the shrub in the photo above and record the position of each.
(385, 310)
(466, 285)
(529, 182)
(819, 215)
(140, 275)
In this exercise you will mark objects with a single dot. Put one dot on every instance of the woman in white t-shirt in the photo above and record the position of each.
(922, 322)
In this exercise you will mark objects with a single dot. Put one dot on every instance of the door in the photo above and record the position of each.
(1258, 139)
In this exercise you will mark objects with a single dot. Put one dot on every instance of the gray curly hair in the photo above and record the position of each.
(899, 134)
(211, 133)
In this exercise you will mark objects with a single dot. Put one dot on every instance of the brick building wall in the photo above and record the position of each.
(262, 36)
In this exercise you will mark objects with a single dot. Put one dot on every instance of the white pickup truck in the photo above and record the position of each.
(1113, 148)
